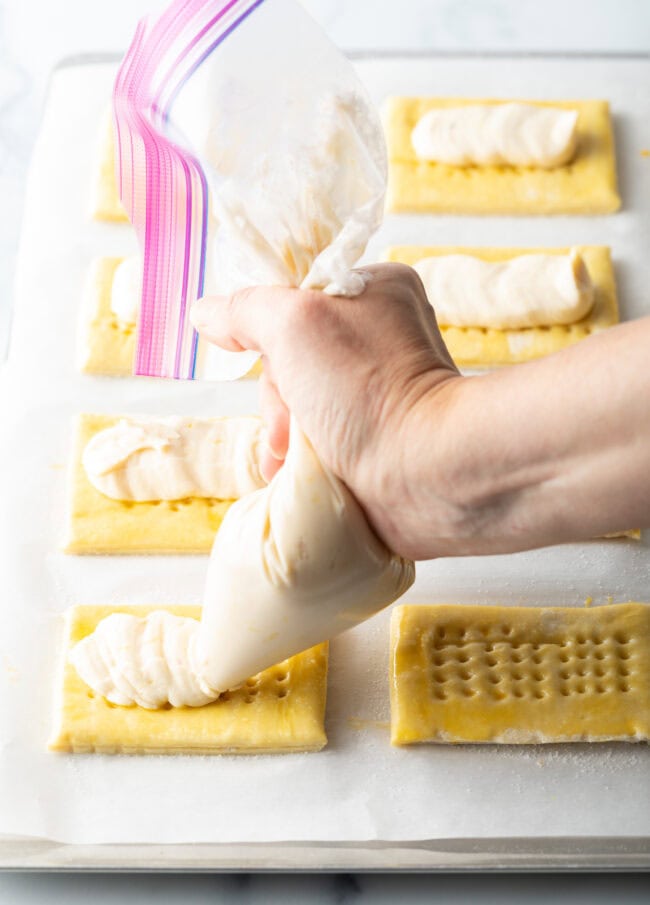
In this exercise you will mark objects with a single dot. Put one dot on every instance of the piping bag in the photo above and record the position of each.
(249, 154)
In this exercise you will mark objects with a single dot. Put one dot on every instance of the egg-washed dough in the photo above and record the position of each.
(98, 524)
(520, 675)
(279, 711)
(107, 346)
(480, 347)
(106, 203)
(586, 185)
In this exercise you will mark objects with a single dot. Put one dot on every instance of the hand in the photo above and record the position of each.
(542, 453)
(351, 371)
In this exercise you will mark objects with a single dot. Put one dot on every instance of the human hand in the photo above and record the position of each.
(351, 371)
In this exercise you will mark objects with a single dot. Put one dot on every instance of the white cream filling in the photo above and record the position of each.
(517, 134)
(531, 290)
(146, 661)
(175, 458)
(126, 290)
(296, 212)
(292, 564)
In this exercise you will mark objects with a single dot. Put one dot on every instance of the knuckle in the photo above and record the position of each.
(402, 271)
(410, 277)
(238, 300)
(398, 280)
(306, 309)
(410, 287)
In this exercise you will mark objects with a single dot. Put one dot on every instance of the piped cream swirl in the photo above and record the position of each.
(515, 134)
(530, 290)
(175, 458)
(148, 661)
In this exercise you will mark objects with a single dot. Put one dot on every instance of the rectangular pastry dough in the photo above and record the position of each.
(107, 346)
(480, 347)
(586, 185)
(279, 711)
(106, 203)
(99, 524)
(520, 675)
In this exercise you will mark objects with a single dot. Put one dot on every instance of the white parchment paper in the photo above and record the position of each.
(359, 788)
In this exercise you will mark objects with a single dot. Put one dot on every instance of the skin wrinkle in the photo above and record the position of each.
(325, 316)
(420, 382)
(396, 499)
(485, 493)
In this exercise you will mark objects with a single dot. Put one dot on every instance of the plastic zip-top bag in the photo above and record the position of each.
(249, 154)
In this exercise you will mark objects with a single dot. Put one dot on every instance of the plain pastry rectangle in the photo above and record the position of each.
(106, 344)
(486, 346)
(99, 524)
(519, 675)
(585, 185)
(106, 203)
(279, 711)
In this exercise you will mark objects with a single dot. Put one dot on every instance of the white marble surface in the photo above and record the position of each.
(342, 889)
(34, 35)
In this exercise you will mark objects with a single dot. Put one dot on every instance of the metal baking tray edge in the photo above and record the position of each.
(520, 855)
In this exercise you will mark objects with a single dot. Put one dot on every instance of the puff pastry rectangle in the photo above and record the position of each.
(279, 711)
(520, 675)
(99, 524)
(487, 347)
(106, 203)
(107, 346)
(586, 185)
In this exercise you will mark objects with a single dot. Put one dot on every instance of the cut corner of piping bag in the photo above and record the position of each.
(353, 285)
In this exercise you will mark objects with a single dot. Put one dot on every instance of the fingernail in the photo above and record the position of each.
(269, 467)
(268, 448)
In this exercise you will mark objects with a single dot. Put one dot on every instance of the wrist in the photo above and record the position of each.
(472, 482)
(408, 490)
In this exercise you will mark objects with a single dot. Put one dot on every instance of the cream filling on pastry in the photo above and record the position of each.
(146, 661)
(531, 290)
(125, 291)
(515, 134)
(175, 458)
(292, 564)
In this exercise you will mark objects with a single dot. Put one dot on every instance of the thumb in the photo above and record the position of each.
(248, 319)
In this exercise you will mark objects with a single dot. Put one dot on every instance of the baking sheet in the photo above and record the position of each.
(359, 788)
